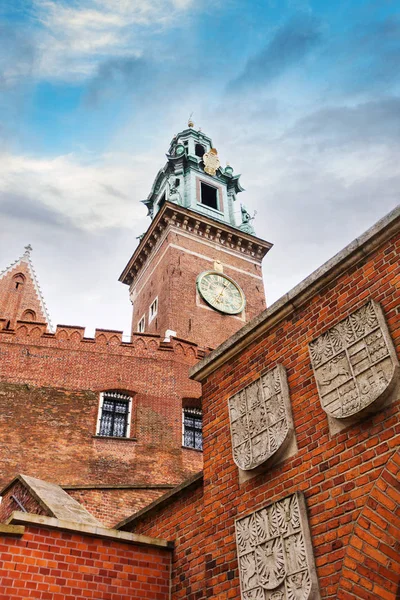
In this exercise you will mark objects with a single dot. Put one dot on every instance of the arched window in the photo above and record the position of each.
(29, 315)
(18, 280)
(114, 414)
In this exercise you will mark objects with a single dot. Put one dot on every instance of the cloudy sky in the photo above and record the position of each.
(300, 96)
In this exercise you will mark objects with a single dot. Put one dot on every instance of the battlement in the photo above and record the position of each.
(104, 340)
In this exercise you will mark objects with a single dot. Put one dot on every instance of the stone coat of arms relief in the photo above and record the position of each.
(261, 419)
(275, 553)
(355, 363)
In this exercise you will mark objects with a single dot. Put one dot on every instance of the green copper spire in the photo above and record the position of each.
(193, 178)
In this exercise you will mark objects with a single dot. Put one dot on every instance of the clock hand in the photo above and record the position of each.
(217, 298)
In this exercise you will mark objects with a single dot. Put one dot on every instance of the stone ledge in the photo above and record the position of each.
(354, 252)
(12, 530)
(20, 518)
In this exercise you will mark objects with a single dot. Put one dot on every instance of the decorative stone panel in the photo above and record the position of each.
(261, 420)
(275, 553)
(355, 363)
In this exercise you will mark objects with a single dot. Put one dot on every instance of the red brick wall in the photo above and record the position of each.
(181, 520)
(113, 505)
(49, 399)
(54, 565)
(345, 478)
(171, 275)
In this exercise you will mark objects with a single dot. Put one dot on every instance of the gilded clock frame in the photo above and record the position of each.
(237, 286)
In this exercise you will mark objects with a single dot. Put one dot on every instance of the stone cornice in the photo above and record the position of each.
(173, 216)
(20, 518)
(356, 251)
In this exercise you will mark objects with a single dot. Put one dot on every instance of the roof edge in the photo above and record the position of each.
(164, 499)
(361, 247)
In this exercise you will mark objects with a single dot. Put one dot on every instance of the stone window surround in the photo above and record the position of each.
(199, 181)
(128, 417)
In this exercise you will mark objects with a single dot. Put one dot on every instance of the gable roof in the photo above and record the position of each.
(54, 500)
(26, 260)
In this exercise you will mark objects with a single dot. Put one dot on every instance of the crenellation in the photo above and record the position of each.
(103, 340)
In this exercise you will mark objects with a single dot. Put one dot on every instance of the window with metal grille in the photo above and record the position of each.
(115, 411)
(192, 428)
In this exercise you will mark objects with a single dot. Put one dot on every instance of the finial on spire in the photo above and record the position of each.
(190, 121)
(28, 250)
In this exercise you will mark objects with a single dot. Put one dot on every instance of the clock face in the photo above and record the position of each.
(221, 292)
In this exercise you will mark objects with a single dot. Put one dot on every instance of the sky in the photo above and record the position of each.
(302, 97)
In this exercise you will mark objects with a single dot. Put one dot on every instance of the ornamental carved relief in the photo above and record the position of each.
(275, 553)
(355, 363)
(261, 420)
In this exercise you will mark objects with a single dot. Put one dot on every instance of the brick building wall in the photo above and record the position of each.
(52, 564)
(110, 506)
(180, 518)
(171, 276)
(350, 479)
(49, 402)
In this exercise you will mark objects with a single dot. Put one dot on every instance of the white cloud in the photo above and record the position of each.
(75, 38)
(93, 193)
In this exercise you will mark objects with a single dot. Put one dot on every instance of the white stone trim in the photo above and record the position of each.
(129, 415)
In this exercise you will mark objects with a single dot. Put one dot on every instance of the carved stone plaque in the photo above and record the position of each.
(261, 420)
(355, 363)
(275, 553)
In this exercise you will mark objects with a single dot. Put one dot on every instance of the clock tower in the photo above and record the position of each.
(196, 272)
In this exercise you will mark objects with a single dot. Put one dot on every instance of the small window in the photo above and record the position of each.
(153, 309)
(114, 414)
(192, 430)
(199, 150)
(141, 325)
(209, 196)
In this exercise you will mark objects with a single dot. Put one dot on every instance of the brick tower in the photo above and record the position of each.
(195, 271)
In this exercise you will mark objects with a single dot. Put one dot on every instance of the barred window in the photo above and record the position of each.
(114, 417)
(192, 428)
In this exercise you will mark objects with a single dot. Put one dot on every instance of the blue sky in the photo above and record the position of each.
(301, 97)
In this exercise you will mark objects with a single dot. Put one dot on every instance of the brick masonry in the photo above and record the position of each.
(56, 565)
(350, 479)
(110, 506)
(50, 386)
(169, 273)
